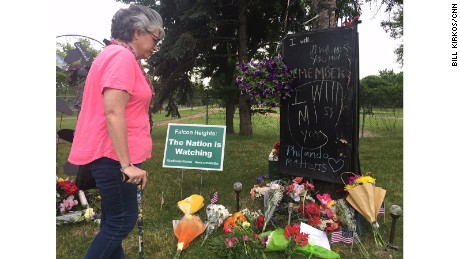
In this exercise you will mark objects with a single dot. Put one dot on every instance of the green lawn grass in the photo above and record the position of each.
(245, 158)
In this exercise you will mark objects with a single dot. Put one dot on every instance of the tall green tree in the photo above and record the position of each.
(384, 90)
(211, 37)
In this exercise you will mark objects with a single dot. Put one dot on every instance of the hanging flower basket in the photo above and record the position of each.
(266, 82)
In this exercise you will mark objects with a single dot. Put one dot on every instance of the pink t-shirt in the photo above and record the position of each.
(115, 67)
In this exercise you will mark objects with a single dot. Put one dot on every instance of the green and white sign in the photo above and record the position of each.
(195, 146)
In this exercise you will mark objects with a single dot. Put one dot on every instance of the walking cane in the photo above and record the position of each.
(140, 221)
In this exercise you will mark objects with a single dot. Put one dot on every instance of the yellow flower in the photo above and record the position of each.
(89, 213)
(360, 180)
(246, 224)
(365, 179)
(329, 205)
(349, 186)
(191, 204)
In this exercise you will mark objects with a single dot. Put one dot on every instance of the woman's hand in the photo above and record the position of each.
(136, 175)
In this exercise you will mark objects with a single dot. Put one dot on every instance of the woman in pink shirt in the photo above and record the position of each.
(112, 136)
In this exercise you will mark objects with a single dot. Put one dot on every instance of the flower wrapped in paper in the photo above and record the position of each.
(186, 230)
(276, 242)
(191, 204)
(366, 198)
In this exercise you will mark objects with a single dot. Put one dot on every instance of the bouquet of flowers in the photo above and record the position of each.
(348, 222)
(72, 205)
(259, 191)
(216, 214)
(240, 239)
(189, 226)
(290, 241)
(273, 196)
(328, 209)
(186, 230)
(366, 198)
(321, 216)
(296, 190)
(265, 81)
(295, 238)
(191, 204)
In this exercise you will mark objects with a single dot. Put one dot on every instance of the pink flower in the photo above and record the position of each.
(264, 241)
(67, 204)
(324, 199)
(228, 229)
(255, 236)
(298, 180)
(309, 185)
(229, 242)
(290, 188)
(245, 238)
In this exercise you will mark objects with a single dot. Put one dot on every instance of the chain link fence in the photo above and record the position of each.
(384, 121)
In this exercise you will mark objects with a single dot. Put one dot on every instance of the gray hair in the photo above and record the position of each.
(136, 17)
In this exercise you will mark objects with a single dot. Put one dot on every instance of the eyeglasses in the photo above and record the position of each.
(156, 40)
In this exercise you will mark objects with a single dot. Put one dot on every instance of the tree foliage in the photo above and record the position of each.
(202, 39)
(394, 24)
(384, 90)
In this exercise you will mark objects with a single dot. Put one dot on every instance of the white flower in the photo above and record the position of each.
(89, 213)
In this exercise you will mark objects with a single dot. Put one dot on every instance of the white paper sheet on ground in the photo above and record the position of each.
(315, 236)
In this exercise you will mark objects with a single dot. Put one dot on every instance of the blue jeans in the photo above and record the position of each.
(119, 209)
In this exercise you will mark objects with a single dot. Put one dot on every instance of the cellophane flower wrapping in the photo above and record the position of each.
(348, 222)
(216, 214)
(186, 230)
(273, 197)
(277, 242)
(191, 204)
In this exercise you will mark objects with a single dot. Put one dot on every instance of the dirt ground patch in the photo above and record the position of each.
(194, 116)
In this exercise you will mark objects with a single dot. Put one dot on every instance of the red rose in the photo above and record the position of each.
(70, 188)
(315, 221)
(62, 183)
(260, 222)
(310, 208)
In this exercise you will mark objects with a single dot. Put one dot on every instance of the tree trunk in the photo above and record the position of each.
(326, 11)
(243, 105)
(229, 115)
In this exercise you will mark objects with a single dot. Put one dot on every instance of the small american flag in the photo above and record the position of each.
(382, 211)
(162, 200)
(340, 235)
(382, 208)
(214, 197)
